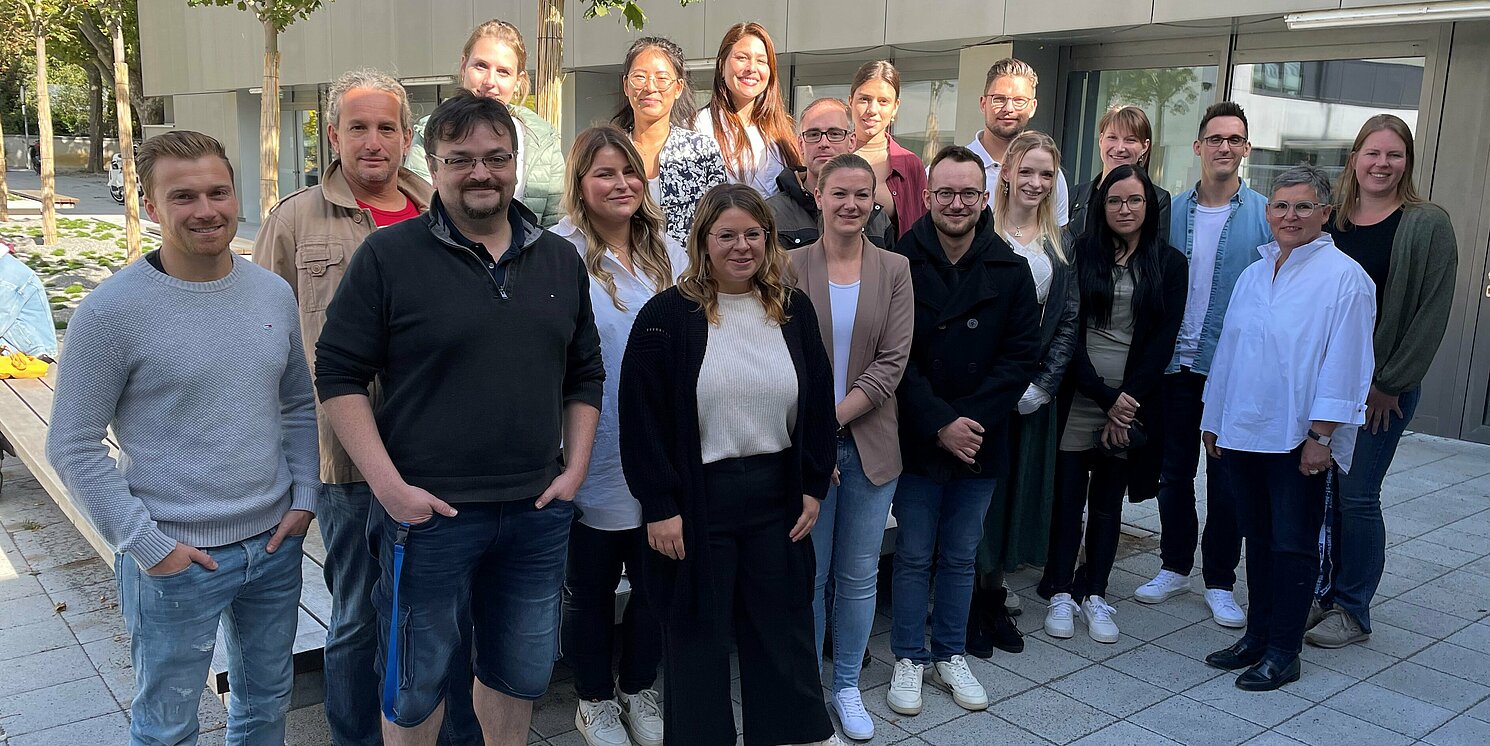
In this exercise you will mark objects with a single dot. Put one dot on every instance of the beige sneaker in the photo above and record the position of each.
(1316, 615)
(1336, 630)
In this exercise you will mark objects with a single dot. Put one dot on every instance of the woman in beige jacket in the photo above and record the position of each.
(864, 306)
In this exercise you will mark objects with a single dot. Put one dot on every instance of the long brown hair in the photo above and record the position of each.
(1050, 229)
(769, 112)
(648, 227)
(1349, 191)
(503, 33)
(769, 284)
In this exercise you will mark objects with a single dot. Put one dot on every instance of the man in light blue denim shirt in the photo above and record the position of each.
(25, 316)
(1219, 225)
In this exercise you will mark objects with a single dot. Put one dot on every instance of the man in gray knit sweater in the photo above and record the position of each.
(194, 357)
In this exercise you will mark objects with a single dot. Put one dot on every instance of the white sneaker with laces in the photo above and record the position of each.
(1011, 600)
(1060, 619)
(600, 723)
(848, 704)
(643, 715)
(955, 677)
(1164, 586)
(832, 741)
(1098, 617)
(904, 696)
(1224, 608)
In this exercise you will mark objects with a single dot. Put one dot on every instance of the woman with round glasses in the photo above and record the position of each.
(1132, 288)
(1124, 138)
(617, 229)
(1407, 246)
(900, 176)
(658, 111)
(494, 63)
(1286, 396)
(747, 116)
(727, 423)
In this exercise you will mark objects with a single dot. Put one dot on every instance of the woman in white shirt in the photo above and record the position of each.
(618, 229)
(1286, 393)
(747, 115)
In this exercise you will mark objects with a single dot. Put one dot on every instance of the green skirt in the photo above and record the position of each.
(1016, 530)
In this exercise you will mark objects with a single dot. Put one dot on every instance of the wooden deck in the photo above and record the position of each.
(26, 411)
(61, 201)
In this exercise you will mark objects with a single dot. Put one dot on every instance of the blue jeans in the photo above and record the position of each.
(847, 538)
(1357, 537)
(173, 622)
(352, 637)
(945, 520)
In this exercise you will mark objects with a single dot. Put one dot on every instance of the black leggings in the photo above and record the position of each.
(595, 561)
(1091, 481)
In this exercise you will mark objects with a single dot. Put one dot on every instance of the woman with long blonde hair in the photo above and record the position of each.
(619, 231)
(727, 439)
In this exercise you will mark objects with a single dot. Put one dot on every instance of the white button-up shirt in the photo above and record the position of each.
(1296, 348)
(604, 500)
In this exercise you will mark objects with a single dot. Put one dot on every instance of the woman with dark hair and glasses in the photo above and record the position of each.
(1132, 288)
(658, 115)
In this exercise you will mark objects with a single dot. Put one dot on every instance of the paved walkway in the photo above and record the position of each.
(92, 191)
(1424, 677)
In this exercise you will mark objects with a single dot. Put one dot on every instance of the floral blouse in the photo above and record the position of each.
(688, 166)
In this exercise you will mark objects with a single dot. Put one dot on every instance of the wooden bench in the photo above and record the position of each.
(25, 412)
(61, 201)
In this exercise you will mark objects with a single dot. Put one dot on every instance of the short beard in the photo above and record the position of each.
(947, 229)
(479, 213)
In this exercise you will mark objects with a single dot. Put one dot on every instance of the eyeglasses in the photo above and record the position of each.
(1017, 103)
(639, 80)
(833, 134)
(1301, 209)
(752, 236)
(461, 164)
(1115, 204)
(944, 197)
(1235, 141)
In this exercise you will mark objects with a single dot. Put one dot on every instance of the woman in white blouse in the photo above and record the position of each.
(747, 115)
(1292, 367)
(618, 229)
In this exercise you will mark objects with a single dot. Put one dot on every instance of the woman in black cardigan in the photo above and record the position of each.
(727, 439)
(1133, 289)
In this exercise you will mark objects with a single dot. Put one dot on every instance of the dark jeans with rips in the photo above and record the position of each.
(1221, 544)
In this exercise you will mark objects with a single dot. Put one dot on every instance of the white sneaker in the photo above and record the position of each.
(1099, 622)
(1011, 600)
(955, 677)
(600, 723)
(1224, 608)
(1060, 620)
(832, 741)
(904, 695)
(1164, 586)
(848, 704)
(643, 717)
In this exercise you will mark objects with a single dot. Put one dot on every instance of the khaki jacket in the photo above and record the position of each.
(308, 239)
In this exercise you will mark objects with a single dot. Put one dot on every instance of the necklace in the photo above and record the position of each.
(1019, 230)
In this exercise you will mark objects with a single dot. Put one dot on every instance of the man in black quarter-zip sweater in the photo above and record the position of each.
(478, 325)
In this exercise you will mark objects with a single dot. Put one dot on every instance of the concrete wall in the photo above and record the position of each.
(68, 153)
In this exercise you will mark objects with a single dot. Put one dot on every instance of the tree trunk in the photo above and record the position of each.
(126, 144)
(551, 60)
(95, 118)
(44, 131)
(4, 186)
(269, 124)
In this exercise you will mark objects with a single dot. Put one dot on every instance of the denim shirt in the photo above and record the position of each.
(25, 315)
(1246, 229)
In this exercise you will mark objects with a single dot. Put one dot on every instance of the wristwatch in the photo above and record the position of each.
(1323, 440)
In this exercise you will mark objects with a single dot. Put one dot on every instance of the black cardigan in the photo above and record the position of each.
(660, 453)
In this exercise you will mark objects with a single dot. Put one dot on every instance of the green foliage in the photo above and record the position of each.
(630, 10)
(281, 13)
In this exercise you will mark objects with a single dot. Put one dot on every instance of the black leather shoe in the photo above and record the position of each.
(1242, 654)
(1005, 633)
(1268, 675)
(980, 638)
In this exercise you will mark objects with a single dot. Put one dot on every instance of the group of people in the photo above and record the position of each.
(715, 351)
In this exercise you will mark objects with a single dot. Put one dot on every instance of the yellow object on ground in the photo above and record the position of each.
(21, 365)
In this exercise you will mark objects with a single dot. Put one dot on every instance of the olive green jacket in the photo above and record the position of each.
(543, 163)
(1417, 299)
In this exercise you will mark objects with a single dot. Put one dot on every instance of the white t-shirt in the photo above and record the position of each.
(768, 161)
(992, 168)
(844, 300)
(1040, 267)
(1209, 222)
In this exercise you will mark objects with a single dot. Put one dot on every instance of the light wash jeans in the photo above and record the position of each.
(939, 523)
(846, 539)
(173, 622)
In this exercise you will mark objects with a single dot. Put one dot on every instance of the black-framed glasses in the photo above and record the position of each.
(752, 236)
(833, 134)
(1017, 103)
(969, 197)
(639, 80)
(1134, 201)
(1215, 141)
(1303, 209)
(461, 163)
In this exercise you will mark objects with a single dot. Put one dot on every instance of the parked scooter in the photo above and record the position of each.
(116, 179)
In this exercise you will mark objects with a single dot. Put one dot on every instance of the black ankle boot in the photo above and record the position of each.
(1001, 627)
(980, 642)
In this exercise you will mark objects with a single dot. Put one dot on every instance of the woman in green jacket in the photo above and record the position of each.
(1407, 246)
(494, 63)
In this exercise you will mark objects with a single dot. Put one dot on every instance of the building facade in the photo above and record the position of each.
(1306, 92)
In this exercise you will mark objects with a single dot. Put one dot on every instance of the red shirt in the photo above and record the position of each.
(385, 218)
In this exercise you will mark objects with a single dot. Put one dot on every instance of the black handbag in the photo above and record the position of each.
(1136, 439)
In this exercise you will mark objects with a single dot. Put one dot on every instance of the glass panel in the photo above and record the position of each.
(310, 133)
(927, 116)
(1310, 111)
(803, 95)
(1174, 99)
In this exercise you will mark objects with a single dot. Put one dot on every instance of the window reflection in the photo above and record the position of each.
(1173, 98)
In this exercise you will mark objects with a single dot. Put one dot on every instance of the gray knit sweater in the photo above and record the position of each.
(207, 389)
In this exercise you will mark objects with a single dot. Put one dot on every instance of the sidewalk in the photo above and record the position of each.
(92, 191)
(1424, 677)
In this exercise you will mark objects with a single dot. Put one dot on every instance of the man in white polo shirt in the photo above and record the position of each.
(1008, 102)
